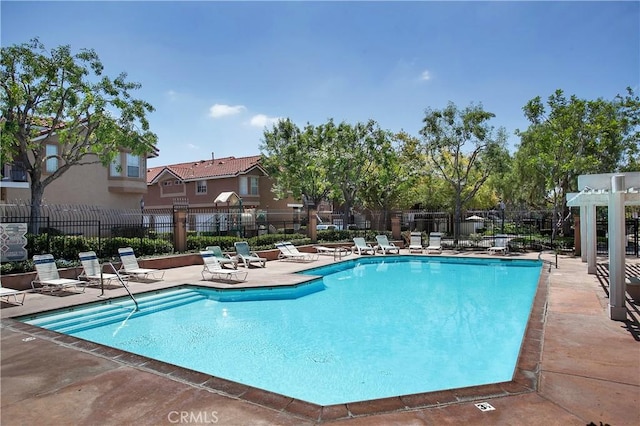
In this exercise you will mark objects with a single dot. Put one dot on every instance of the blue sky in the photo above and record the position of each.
(218, 72)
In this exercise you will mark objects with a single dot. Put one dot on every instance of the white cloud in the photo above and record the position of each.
(220, 110)
(261, 120)
(172, 95)
(426, 75)
(193, 147)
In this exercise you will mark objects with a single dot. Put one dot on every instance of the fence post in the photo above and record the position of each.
(395, 227)
(312, 223)
(180, 227)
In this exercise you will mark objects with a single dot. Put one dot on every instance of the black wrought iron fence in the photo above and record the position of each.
(67, 238)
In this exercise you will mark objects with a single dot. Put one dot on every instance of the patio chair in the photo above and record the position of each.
(91, 270)
(7, 293)
(130, 266)
(223, 259)
(500, 246)
(415, 242)
(289, 251)
(336, 252)
(385, 246)
(361, 246)
(247, 256)
(435, 243)
(213, 267)
(48, 277)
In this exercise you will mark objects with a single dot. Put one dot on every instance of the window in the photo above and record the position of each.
(52, 163)
(248, 185)
(133, 166)
(201, 187)
(166, 183)
(253, 185)
(116, 166)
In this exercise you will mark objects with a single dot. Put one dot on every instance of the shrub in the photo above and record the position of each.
(334, 235)
(267, 241)
(195, 242)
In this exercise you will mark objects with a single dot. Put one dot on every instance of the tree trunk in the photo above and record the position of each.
(345, 215)
(37, 192)
(456, 221)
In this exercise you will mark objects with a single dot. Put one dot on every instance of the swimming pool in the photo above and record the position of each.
(370, 328)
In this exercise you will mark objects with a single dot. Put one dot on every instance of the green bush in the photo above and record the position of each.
(141, 247)
(68, 247)
(267, 241)
(196, 243)
(334, 235)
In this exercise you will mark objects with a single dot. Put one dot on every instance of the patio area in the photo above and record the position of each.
(576, 367)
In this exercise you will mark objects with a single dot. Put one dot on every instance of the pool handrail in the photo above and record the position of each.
(135, 302)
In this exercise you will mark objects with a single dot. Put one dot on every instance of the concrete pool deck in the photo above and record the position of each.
(576, 367)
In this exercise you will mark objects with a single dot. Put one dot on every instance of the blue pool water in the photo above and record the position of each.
(369, 328)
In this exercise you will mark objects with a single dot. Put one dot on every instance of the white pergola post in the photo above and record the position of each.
(592, 240)
(617, 243)
(583, 233)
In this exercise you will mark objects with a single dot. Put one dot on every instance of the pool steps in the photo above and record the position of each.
(109, 313)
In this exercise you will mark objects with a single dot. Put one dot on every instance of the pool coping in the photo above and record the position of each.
(525, 378)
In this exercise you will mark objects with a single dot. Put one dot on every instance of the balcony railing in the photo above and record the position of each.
(14, 173)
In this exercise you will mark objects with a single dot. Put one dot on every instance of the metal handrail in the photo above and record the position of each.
(123, 284)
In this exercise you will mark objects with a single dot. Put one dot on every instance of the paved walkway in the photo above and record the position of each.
(582, 368)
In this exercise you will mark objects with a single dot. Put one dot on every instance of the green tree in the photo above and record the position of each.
(295, 160)
(393, 175)
(628, 108)
(57, 93)
(568, 137)
(463, 150)
(356, 152)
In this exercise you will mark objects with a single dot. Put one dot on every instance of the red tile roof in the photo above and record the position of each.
(203, 169)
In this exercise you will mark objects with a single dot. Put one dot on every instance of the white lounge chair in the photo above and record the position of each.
(500, 246)
(336, 252)
(7, 293)
(130, 266)
(361, 246)
(223, 259)
(213, 267)
(248, 257)
(435, 243)
(415, 242)
(91, 270)
(385, 246)
(289, 251)
(48, 278)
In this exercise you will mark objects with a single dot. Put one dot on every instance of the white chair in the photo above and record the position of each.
(7, 293)
(289, 251)
(48, 277)
(385, 246)
(130, 266)
(415, 242)
(213, 267)
(336, 252)
(223, 259)
(361, 246)
(501, 245)
(435, 242)
(247, 256)
(92, 270)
